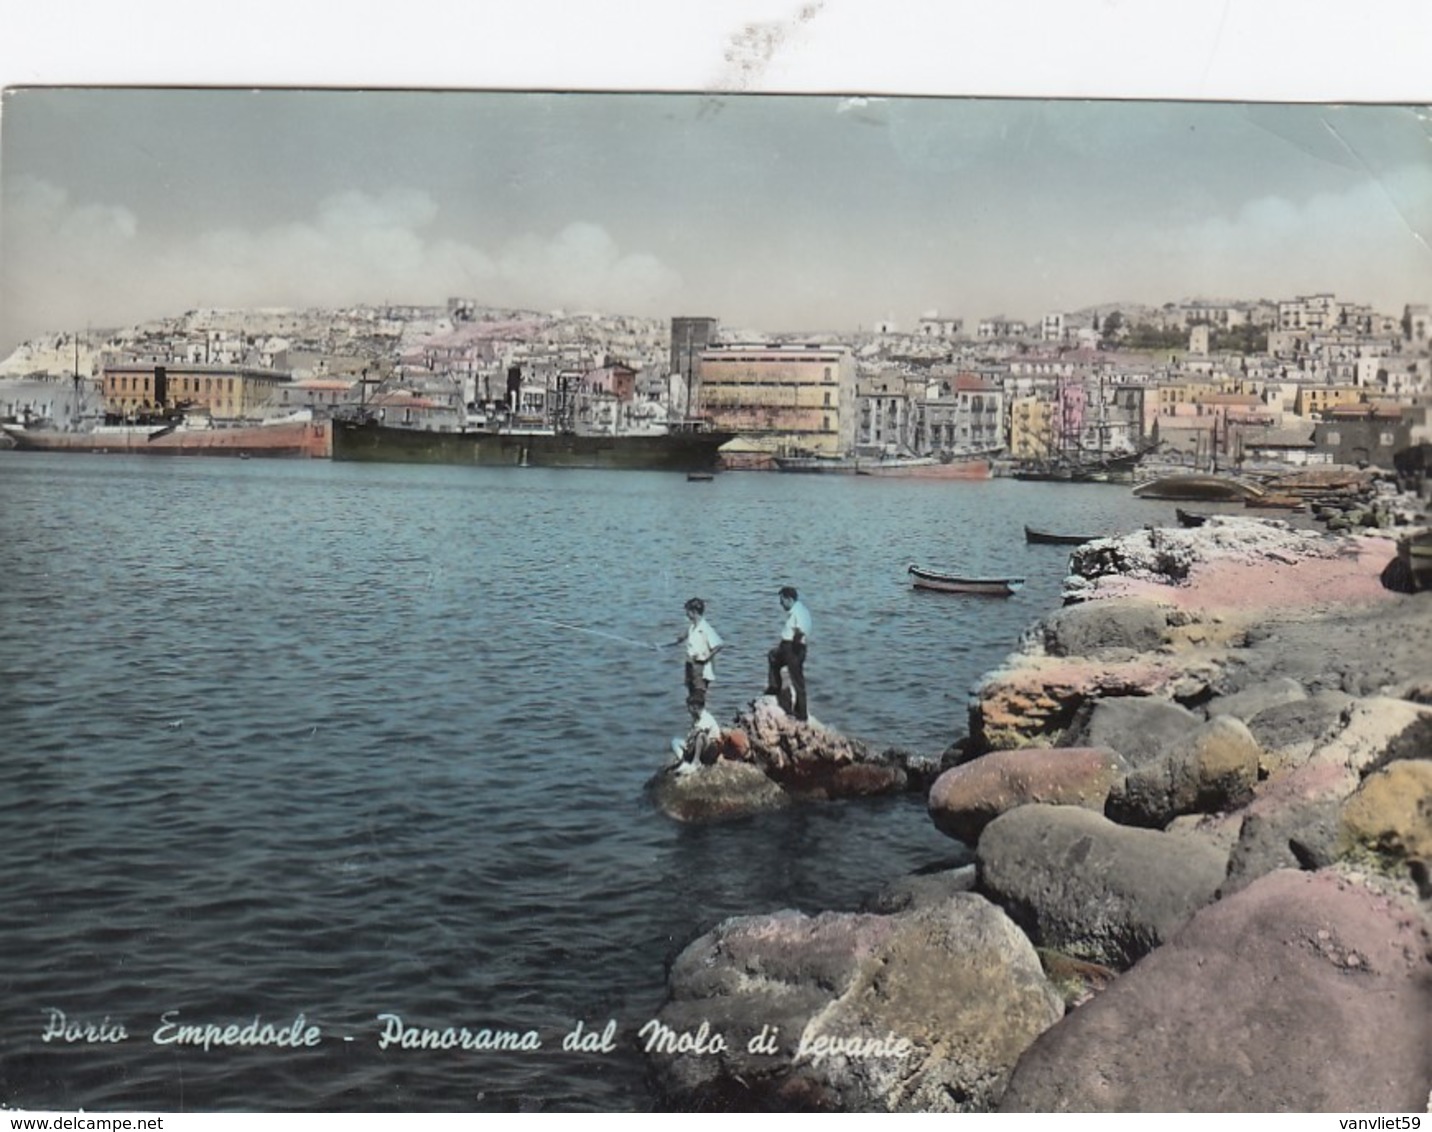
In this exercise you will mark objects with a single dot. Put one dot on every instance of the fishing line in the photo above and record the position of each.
(596, 633)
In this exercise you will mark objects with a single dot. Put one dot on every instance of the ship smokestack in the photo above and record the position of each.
(514, 387)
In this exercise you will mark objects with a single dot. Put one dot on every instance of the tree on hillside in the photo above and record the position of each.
(1113, 324)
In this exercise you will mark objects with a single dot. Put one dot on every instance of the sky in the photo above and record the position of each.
(769, 211)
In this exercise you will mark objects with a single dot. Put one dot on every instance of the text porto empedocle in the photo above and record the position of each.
(390, 1031)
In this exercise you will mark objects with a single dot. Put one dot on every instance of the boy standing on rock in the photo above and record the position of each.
(790, 653)
(702, 644)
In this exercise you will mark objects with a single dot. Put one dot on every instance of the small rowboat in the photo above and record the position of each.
(1031, 535)
(699, 477)
(954, 584)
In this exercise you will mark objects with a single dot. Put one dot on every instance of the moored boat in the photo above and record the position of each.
(300, 437)
(926, 468)
(1415, 551)
(923, 579)
(818, 465)
(1032, 535)
(1193, 486)
(687, 448)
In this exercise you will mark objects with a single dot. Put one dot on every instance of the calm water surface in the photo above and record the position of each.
(287, 738)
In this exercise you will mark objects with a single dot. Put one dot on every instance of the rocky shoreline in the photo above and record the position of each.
(1200, 800)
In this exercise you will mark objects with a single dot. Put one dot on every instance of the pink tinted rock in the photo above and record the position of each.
(1304, 992)
(967, 798)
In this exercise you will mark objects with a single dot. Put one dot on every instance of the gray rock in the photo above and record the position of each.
(1305, 992)
(1094, 628)
(1249, 702)
(1212, 769)
(1300, 836)
(719, 792)
(921, 890)
(1082, 885)
(1140, 728)
(939, 1003)
(1289, 732)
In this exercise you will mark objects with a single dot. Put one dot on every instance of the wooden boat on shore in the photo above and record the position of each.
(926, 468)
(956, 584)
(1204, 488)
(1415, 551)
(1050, 538)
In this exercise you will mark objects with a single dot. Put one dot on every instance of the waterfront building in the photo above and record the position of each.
(787, 398)
(224, 392)
(966, 414)
(887, 413)
(321, 395)
(1031, 428)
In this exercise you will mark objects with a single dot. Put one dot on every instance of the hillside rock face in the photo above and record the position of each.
(1305, 992)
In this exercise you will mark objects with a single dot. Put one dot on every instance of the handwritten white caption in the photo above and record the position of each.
(393, 1033)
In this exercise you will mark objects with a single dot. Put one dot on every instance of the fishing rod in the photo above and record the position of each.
(596, 633)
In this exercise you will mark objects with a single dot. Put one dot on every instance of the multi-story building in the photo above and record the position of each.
(1031, 428)
(887, 413)
(965, 415)
(224, 392)
(788, 398)
(1416, 322)
(1001, 327)
(1314, 400)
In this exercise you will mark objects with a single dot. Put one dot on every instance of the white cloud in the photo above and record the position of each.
(68, 264)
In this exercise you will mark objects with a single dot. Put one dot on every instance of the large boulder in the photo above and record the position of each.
(920, 890)
(966, 798)
(1214, 768)
(767, 759)
(920, 1012)
(806, 758)
(1376, 731)
(1080, 884)
(1035, 700)
(1141, 728)
(1305, 992)
(1391, 813)
(1093, 628)
(718, 792)
(1289, 732)
(1250, 702)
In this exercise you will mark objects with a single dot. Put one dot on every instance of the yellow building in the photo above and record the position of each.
(1314, 400)
(786, 399)
(1031, 428)
(224, 392)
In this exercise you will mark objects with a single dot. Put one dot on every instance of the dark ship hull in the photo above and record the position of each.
(683, 450)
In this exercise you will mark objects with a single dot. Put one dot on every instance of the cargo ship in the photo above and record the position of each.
(686, 447)
(291, 436)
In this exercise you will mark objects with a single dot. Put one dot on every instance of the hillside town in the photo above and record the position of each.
(1301, 381)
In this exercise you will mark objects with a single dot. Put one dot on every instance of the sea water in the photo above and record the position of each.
(322, 784)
